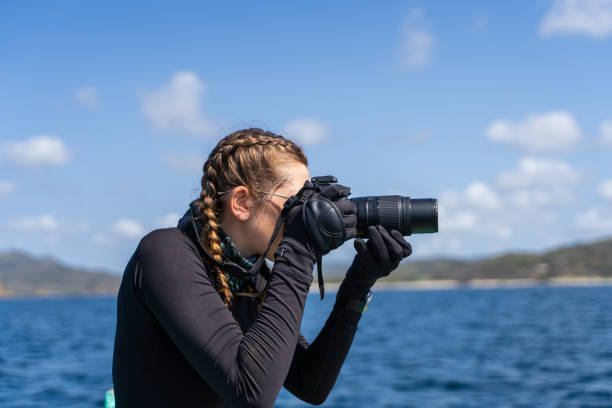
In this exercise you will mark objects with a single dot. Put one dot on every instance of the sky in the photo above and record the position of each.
(500, 110)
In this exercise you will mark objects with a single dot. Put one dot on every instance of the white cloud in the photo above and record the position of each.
(450, 199)
(539, 172)
(101, 239)
(548, 218)
(588, 17)
(594, 220)
(87, 96)
(605, 189)
(45, 222)
(459, 221)
(167, 221)
(417, 42)
(38, 151)
(482, 196)
(539, 182)
(477, 195)
(546, 132)
(605, 132)
(526, 199)
(188, 162)
(436, 245)
(503, 232)
(6, 188)
(176, 106)
(128, 228)
(474, 211)
(305, 131)
(522, 200)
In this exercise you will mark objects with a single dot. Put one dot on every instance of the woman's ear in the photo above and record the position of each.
(241, 203)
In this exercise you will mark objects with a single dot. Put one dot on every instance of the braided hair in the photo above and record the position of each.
(249, 157)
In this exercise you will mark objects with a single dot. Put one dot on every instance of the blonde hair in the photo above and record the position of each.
(251, 158)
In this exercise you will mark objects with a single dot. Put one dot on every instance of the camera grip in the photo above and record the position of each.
(324, 223)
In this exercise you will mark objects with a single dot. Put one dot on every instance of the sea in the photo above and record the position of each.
(537, 346)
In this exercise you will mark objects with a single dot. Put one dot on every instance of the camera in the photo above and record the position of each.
(407, 215)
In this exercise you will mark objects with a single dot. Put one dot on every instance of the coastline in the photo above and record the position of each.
(332, 287)
(449, 284)
(54, 295)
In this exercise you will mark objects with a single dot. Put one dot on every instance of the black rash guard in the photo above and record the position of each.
(178, 345)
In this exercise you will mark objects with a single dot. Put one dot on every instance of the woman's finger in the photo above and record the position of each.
(335, 191)
(395, 249)
(360, 246)
(402, 241)
(376, 244)
(346, 206)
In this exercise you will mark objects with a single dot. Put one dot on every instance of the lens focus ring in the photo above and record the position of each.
(388, 212)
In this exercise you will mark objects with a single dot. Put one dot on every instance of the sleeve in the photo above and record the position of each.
(245, 369)
(315, 367)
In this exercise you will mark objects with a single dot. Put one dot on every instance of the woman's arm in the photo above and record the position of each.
(244, 369)
(316, 367)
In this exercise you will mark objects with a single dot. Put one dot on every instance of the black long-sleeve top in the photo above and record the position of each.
(177, 344)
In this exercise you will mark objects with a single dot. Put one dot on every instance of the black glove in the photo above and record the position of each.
(330, 218)
(314, 208)
(374, 259)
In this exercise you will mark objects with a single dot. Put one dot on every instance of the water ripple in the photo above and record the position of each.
(530, 347)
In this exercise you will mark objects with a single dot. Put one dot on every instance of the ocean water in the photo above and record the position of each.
(528, 347)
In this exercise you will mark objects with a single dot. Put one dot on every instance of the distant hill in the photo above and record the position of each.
(23, 274)
(582, 260)
(591, 260)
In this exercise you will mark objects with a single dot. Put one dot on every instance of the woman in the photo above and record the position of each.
(199, 325)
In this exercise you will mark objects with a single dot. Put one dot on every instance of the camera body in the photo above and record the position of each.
(407, 215)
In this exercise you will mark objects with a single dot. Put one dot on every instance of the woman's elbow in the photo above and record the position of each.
(315, 398)
(251, 403)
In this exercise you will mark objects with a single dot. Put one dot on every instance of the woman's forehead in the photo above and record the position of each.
(295, 175)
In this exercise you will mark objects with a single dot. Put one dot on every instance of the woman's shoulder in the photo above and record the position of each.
(161, 235)
(168, 255)
(167, 243)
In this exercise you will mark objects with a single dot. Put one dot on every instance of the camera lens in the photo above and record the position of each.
(408, 216)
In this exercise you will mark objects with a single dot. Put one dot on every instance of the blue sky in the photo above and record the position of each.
(501, 110)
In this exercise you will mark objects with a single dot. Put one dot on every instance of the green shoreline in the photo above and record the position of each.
(449, 284)
(442, 284)
(583, 264)
(53, 295)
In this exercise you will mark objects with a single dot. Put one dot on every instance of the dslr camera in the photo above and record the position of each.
(407, 215)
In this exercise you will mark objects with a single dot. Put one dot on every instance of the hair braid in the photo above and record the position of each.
(249, 157)
(209, 210)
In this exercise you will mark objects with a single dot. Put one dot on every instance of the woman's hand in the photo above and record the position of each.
(377, 257)
(296, 233)
(330, 218)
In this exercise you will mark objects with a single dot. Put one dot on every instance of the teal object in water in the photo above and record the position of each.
(110, 399)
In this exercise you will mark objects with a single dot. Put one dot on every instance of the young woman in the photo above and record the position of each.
(199, 326)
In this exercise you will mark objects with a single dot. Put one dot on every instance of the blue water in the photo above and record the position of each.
(530, 347)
